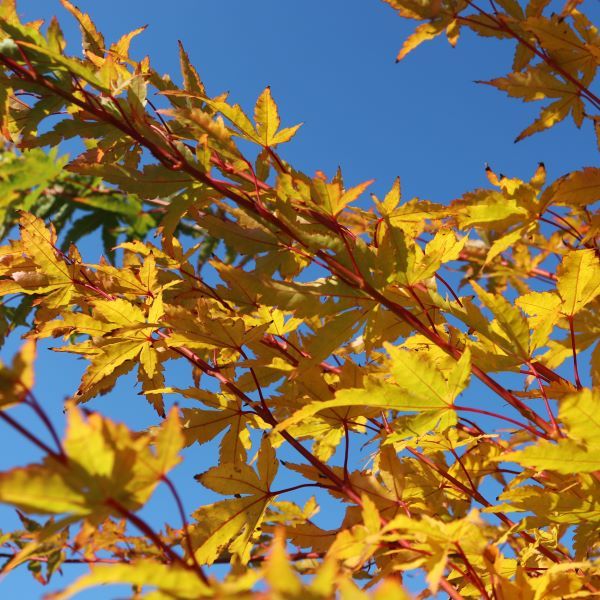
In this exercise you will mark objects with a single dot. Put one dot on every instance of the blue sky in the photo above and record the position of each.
(330, 64)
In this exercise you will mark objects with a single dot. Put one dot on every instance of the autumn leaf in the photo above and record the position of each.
(233, 523)
(579, 451)
(16, 381)
(408, 364)
(167, 579)
(578, 280)
(103, 463)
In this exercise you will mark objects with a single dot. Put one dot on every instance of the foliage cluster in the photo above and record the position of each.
(311, 325)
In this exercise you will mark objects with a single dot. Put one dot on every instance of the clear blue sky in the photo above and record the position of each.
(330, 64)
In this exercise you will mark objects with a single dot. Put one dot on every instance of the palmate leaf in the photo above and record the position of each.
(17, 381)
(330, 326)
(104, 462)
(578, 280)
(233, 523)
(579, 188)
(129, 340)
(266, 115)
(381, 397)
(92, 39)
(35, 266)
(227, 415)
(580, 451)
(127, 336)
(420, 388)
(171, 581)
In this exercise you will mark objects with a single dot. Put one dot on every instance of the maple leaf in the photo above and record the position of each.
(267, 121)
(468, 532)
(302, 314)
(580, 450)
(104, 463)
(418, 389)
(574, 189)
(126, 339)
(35, 266)
(578, 280)
(228, 414)
(169, 580)
(16, 381)
(266, 115)
(232, 524)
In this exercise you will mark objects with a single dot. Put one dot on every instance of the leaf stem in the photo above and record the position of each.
(519, 424)
(35, 405)
(449, 288)
(479, 584)
(546, 401)
(34, 440)
(346, 451)
(574, 350)
(152, 535)
(296, 487)
(186, 527)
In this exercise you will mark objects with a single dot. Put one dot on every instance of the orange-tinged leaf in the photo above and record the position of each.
(93, 41)
(44, 271)
(121, 48)
(16, 382)
(579, 188)
(555, 34)
(191, 79)
(534, 83)
(423, 33)
(550, 115)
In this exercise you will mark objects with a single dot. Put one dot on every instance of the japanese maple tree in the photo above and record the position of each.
(312, 322)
